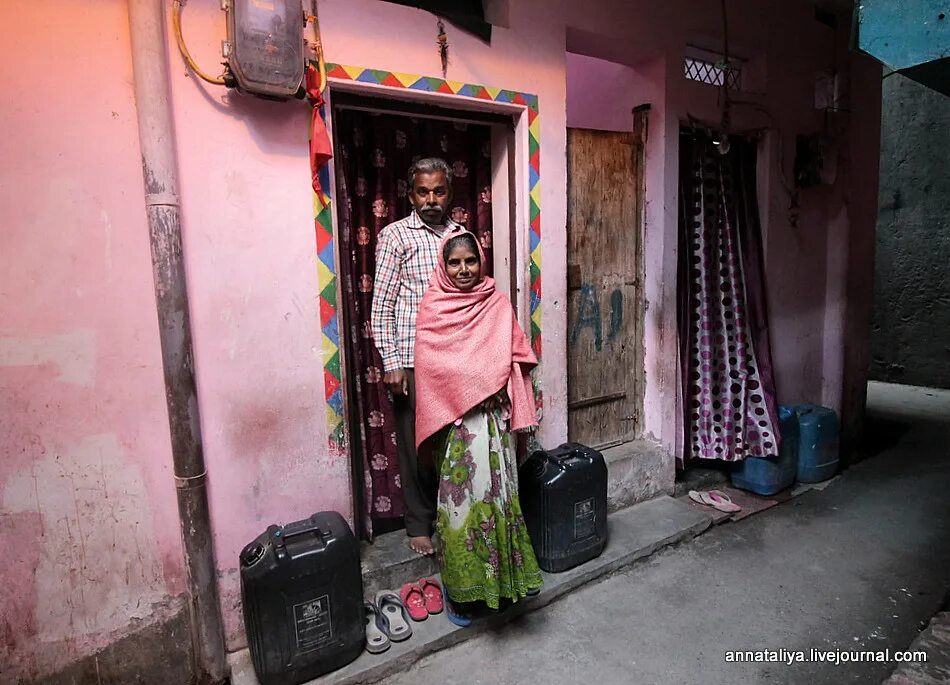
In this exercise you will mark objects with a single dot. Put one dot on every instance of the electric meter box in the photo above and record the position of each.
(266, 49)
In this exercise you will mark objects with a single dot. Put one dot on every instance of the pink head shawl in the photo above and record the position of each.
(468, 347)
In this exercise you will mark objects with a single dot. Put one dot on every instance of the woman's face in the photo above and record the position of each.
(463, 267)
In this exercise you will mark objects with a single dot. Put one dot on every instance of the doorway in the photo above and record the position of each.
(604, 272)
(375, 142)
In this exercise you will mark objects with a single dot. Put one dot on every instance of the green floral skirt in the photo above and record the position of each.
(483, 544)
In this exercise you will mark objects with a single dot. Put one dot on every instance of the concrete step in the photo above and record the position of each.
(633, 533)
(388, 563)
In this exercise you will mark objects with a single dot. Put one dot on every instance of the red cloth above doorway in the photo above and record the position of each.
(321, 150)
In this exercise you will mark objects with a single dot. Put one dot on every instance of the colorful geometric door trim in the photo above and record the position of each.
(326, 248)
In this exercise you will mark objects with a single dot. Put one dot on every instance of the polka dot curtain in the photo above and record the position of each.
(728, 386)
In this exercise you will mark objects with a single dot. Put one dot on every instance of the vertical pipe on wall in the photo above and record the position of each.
(159, 168)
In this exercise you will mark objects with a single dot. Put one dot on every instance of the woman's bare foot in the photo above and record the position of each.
(422, 544)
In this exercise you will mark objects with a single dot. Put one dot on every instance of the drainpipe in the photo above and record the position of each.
(159, 167)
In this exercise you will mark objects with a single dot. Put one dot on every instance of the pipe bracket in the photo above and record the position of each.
(162, 199)
(187, 482)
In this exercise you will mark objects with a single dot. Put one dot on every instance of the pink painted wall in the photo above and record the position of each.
(601, 94)
(88, 519)
(83, 411)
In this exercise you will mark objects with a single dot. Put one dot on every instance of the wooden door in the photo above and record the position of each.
(604, 233)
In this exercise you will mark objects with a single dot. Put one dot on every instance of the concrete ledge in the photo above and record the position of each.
(636, 472)
(634, 533)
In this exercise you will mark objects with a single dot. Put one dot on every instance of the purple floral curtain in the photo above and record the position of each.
(728, 386)
(374, 152)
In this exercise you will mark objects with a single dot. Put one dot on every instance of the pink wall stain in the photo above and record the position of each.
(18, 591)
(99, 565)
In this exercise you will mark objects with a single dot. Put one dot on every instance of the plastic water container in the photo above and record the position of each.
(563, 495)
(768, 475)
(818, 443)
(302, 591)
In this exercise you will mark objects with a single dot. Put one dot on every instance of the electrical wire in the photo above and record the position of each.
(726, 70)
(176, 22)
(725, 34)
(318, 45)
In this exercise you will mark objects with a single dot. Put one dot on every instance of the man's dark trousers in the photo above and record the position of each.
(418, 476)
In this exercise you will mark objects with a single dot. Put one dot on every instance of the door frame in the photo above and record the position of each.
(516, 174)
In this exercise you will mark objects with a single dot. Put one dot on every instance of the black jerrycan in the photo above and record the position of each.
(302, 591)
(563, 495)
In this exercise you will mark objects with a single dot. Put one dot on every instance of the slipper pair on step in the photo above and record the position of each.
(386, 621)
(428, 597)
(422, 598)
(716, 499)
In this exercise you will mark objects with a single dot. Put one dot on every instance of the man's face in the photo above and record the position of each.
(430, 194)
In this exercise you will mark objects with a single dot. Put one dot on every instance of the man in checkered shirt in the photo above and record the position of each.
(407, 252)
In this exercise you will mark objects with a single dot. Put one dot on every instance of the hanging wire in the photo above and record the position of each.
(176, 23)
(726, 68)
(725, 34)
(318, 44)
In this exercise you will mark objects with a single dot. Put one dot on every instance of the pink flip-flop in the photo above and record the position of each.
(716, 499)
(723, 502)
(414, 600)
(433, 594)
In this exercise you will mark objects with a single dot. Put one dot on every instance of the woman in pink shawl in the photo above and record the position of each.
(472, 364)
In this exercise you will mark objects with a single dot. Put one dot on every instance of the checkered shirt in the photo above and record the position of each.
(407, 252)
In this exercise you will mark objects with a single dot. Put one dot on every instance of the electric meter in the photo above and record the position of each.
(265, 48)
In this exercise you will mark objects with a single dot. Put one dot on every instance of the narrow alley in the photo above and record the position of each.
(861, 565)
